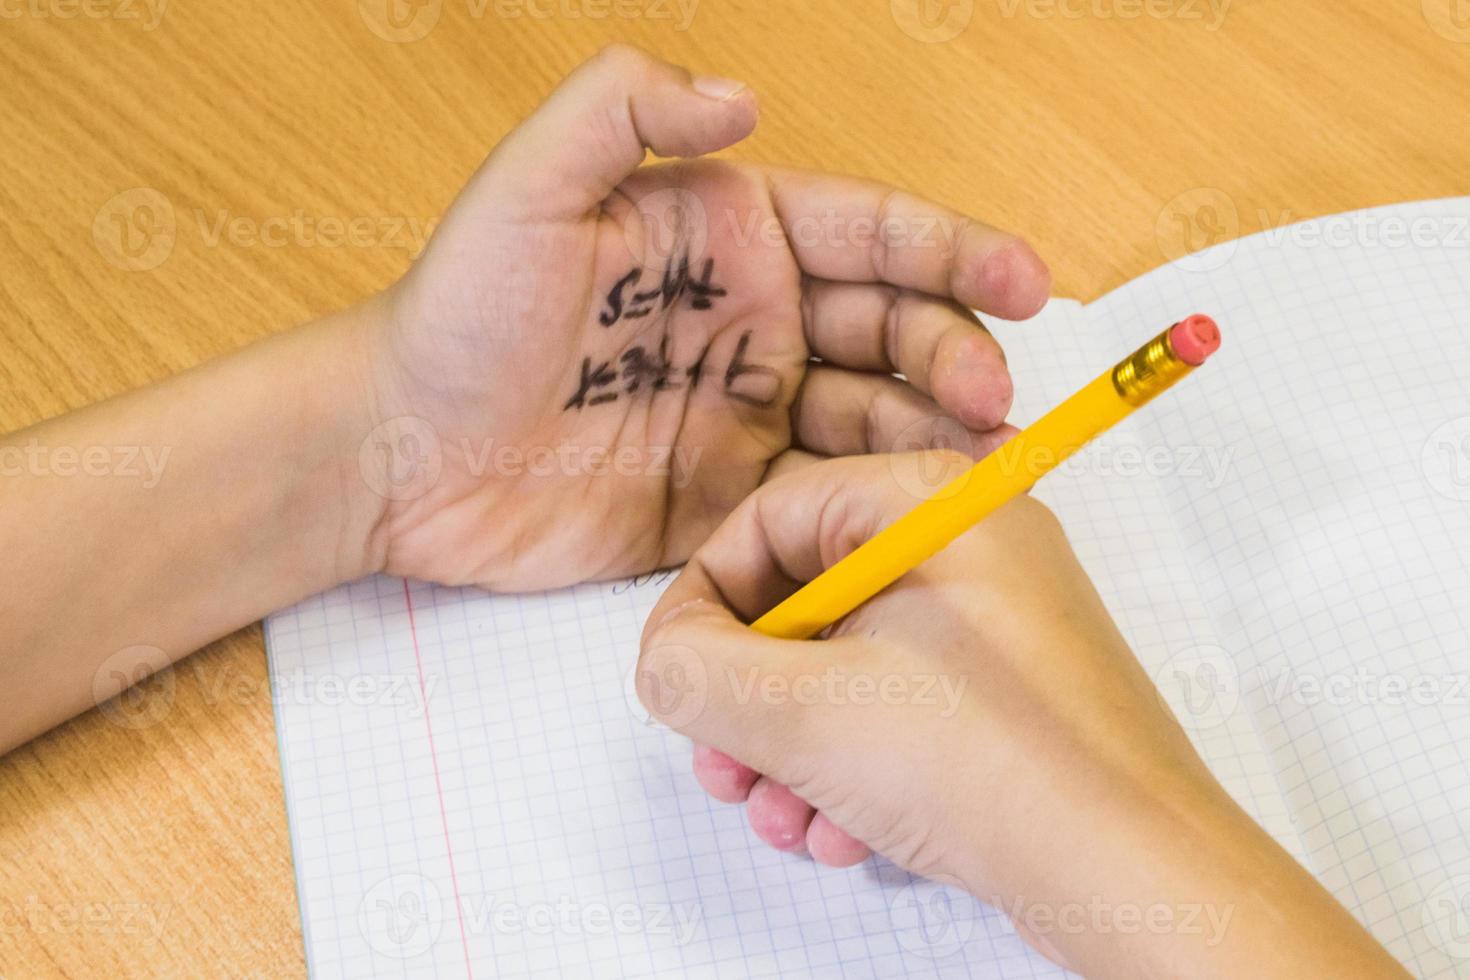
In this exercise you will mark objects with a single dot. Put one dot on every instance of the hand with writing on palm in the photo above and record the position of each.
(593, 362)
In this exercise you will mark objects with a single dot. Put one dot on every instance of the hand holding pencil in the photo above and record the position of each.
(979, 721)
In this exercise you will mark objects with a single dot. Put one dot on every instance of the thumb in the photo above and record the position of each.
(593, 130)
(707, 675)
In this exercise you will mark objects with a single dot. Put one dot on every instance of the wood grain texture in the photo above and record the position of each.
(153, 841)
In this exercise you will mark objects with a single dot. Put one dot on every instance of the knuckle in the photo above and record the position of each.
(1037, 515)
(624, 60)
(950, 462)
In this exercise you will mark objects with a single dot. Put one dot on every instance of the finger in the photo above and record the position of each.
(594, 129)
(829, 844)
(849, 413)
(858, 231)
(722, 777)
(789, 462)
(700, 666)
(937, 345)
(778, 816)
(700, 671)
(785, 534)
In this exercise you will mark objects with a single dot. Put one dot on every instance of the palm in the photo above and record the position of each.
(607, 382)
(638, 434)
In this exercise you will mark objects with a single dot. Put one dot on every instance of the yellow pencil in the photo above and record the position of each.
(1000, 477)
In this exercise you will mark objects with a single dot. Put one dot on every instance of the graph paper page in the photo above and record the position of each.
(473, 789)
(1331, 549)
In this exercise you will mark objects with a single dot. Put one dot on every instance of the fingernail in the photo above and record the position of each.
(714, 87)
(681, 609)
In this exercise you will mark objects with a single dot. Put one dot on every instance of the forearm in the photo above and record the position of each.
(1186, 884)
(173, 515)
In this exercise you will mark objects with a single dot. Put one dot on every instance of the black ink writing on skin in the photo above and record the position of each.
(750, 383)
(652, 371)
(614, 309)
(675, 285)
(593, 378)
(639, 367)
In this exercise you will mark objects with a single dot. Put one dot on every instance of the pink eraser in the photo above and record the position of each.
(1194, 339)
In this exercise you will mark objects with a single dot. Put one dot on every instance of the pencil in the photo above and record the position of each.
(998, 478)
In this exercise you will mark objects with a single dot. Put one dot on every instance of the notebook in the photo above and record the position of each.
(474, 790)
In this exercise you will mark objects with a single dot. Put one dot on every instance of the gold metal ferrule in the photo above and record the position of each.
(1151, 369)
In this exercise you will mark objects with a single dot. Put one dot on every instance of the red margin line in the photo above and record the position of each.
(438, 785)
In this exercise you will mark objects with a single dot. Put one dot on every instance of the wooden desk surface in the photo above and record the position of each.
(1113, 133)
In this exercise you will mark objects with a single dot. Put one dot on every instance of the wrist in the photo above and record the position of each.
(1181, 881)
(338, 433)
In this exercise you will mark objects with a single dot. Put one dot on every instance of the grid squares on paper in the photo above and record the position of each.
(563, 812)
(543, 790)
(1332, 565)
